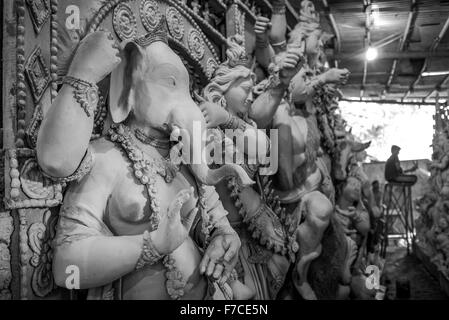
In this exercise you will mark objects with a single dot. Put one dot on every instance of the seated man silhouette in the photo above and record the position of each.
(394, 172)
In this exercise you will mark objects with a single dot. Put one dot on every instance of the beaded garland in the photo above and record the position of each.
(151, 140)
(145, 169)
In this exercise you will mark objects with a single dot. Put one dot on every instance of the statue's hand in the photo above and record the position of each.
(174, 230)
(221, 256)
(334, 75)
(214, 114)
(96, 57)
(261, 28)
(291, 64)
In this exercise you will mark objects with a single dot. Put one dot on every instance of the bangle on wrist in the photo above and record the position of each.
(149, 254)
(280, 45)
(234, 123)
(86, 93)
(262, 43)
(279, 7)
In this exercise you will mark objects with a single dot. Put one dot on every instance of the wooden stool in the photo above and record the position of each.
(397, 200)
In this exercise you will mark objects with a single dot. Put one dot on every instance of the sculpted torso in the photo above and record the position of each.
(293, 124)
(115, 196)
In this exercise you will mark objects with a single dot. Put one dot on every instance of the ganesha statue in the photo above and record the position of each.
(140, 219)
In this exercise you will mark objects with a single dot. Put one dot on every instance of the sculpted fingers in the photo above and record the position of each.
(233, 248)
(198, 97)
(204, 263)
(262, 22)
(262, 25)
(188, 221)
(218, 271)
(262, 19)
(210, 268)
(175, 206)
(293, 56)
(289, 64)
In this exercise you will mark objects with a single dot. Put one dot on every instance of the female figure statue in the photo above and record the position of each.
(230, 104)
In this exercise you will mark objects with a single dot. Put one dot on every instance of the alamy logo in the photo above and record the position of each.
(73, 277)
(72, 22)
(373, 279)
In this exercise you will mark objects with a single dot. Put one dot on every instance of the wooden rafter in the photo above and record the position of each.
(368, 21)
(438, 87)
(334, 26)
(434, 46)
(378, 44)
(402, 44)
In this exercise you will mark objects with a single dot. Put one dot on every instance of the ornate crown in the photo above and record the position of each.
(308, 13)
(159, 33)
(236, 52)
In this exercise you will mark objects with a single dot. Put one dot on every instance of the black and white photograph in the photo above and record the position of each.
(268, 152)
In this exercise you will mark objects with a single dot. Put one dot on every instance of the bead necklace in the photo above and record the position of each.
(151, 140)
(144, 168)
(145, 171)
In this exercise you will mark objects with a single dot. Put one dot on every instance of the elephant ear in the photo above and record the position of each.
(123, 80)
(359, 146)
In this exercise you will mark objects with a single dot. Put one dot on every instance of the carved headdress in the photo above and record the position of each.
(308, 15)
(236, 52)
(234, 68)
(309, 21)
(159, 33)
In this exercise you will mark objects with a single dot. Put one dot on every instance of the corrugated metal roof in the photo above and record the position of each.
(427, 24)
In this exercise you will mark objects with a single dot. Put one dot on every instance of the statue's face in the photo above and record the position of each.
(156, 90)
(352, 190)
(163, 84)
(313, 42)
(443, 223)
(239, 96)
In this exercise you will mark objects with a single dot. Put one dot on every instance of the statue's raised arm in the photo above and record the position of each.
(146, 213)
(279, 27)
(308, 35)
(67, 126)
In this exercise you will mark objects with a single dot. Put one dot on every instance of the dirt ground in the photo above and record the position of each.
(410, 273)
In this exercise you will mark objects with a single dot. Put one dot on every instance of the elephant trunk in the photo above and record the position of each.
(189, 119)
(213, 176)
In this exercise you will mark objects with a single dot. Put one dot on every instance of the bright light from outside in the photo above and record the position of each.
(371, 54)
(408, 126)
